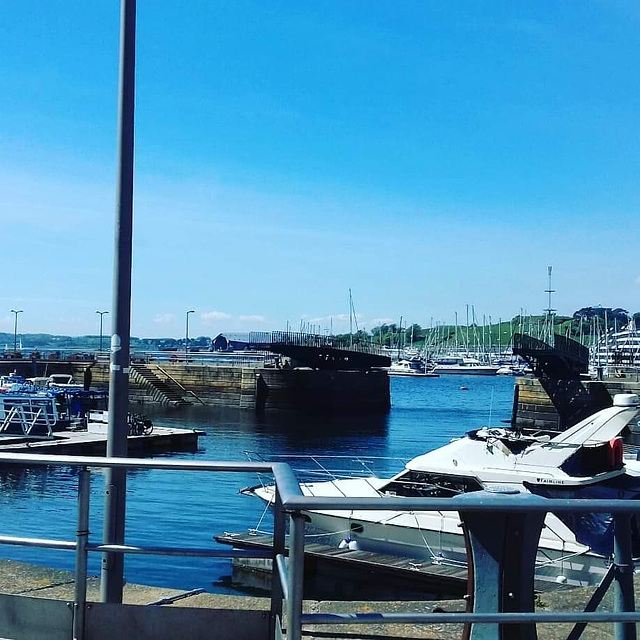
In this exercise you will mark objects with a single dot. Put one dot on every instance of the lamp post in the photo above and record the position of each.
(115, 495)
(186, 337)
(101, 314)
(15, 329)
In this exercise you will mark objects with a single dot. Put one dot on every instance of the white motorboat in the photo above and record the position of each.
(464, 366)
(586, 455)
(410, 368)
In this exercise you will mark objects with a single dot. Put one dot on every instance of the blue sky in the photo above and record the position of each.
(427, 155)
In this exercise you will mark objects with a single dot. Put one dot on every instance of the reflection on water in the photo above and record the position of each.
(188, 509)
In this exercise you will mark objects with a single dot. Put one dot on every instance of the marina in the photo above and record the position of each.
(422, 417)
(261, 460)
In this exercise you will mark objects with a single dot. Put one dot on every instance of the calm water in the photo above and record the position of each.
(188, 509)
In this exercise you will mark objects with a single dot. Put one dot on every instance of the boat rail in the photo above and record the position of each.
(311, 468)
(33, 415)
(287, 588)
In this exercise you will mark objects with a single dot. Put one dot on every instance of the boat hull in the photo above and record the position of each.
(465, 371)
(433, 539)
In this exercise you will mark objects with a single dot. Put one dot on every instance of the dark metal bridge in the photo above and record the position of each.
(559, 369)
(321, 352)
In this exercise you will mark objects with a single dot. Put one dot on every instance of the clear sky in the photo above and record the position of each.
(427, 155)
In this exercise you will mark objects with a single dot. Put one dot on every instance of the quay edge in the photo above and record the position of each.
(533, 408)
(257, 389)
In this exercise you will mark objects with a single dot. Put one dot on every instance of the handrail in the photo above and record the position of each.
(193, 393)
(293, 499)
(287, 585)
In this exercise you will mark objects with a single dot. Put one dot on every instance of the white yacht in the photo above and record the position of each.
(617, 352)
(586, 455)
(410, 368)
(464, 366)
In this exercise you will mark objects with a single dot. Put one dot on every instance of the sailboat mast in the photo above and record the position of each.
(549, 310)
(350, 320)
(456, 340)
(467, 329)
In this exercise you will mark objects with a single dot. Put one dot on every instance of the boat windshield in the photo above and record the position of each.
(418, 484)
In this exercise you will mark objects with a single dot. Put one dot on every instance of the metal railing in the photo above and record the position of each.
(287, 588)
(32, 415)
(271, 339)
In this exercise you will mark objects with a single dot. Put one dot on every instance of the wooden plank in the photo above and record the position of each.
(413, 568)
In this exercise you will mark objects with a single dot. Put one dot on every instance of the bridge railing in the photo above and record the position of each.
(287, 585)
(296, 339)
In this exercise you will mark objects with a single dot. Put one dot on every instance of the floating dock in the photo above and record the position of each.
(82, 442)
(346, 574)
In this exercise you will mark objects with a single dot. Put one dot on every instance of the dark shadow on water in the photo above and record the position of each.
(281, 423)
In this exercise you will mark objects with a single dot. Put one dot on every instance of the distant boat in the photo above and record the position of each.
(617, 352)
(410, 368)
(512, 370)
(464, 366)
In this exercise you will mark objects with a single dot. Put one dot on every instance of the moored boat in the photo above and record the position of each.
(583, 459)
(464, 366)
(410, 368)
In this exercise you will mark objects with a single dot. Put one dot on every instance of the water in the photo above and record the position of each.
(188, 509)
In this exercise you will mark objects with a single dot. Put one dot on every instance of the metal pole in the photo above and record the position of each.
(101, 314)
(186, 337)
(79, 605)
(278, 549)
(623, 560)
(15, 329)
(296, 574)
(116, 479)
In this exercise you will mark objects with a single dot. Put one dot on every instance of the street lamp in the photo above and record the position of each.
(15, 329)
(101, 314)
(186, 337)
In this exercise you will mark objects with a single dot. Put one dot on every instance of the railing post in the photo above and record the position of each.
(278, 548)
(296, 576)
(82, 539)
(623, 559)
(503, 553)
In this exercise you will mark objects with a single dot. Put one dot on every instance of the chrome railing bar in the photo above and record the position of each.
(278, 586)
(137, 463)
(462, 502)
(42, 543)
(624, 598)
(476, 618)
(283, 575)
(295, 576)
(180, 551)
(82, 539)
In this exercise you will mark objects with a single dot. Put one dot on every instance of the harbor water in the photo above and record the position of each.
(188, 509)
